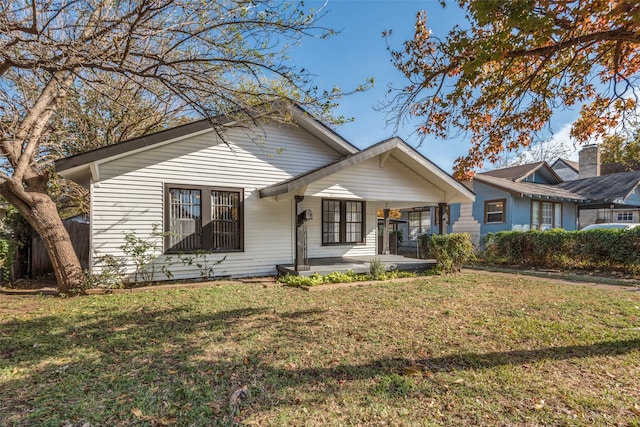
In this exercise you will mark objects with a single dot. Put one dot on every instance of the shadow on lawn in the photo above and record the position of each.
(467, 361)
(156, 358)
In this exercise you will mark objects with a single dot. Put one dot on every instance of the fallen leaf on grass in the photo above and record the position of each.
(459, 381)
(139, 414)
(412, 372)
(539, 405)
(636, 409)
(236, 397)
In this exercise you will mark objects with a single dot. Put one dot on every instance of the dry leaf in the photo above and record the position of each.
(137, 412)
(172, 372)
(459, 381)
(165, 421)
(636, 409)
(412, 372)
(539, 405)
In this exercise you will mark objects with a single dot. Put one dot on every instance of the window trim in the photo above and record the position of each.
(504, 211)
(342, 225)
(206, 213)
(554, 220)
(625, 212)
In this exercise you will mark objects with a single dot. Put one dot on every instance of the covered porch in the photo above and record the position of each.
(357, 264)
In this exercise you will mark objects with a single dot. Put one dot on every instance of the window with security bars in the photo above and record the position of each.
(185, 219)
(225, 219)
(342, 222)
(213, 225)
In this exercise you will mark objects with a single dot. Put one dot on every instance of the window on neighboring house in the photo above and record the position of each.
(545, 215)
(624, 216)
(494, 212)
(342, 222)
(419, 223)
(203, 218)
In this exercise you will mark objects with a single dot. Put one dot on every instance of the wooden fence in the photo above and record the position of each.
(79, 233)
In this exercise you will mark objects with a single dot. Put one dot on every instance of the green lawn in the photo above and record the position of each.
(469, 349)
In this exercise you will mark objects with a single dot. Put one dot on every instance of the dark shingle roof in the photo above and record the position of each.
(530, 189)
(605, 188)
(514, 173)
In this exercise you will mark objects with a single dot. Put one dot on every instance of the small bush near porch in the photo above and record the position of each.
(466, 349)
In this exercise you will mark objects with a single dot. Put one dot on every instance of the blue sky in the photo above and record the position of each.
(359, 52)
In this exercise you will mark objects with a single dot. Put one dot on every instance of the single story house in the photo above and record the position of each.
(611, 189)
(535, 197)
(264, 194)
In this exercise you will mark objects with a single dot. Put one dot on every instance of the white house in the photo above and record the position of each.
(262, 195)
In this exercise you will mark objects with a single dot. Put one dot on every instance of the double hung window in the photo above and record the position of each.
(342, 221)
(203, 218)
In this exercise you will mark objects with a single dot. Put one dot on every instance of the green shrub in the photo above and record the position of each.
(595, 249)
(377, 269)
(452, 250)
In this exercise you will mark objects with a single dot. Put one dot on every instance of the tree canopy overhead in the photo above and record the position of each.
(499, 81)
(61, 59)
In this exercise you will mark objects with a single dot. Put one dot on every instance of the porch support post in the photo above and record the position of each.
(385, 233)
(442, 218)
(302, 260)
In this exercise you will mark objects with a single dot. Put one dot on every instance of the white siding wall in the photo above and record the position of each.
(314, 233)
(130, 193)
(393, 183)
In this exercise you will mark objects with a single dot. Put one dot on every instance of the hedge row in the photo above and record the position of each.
(613, 250)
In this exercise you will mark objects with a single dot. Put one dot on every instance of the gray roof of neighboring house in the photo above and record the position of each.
(573, 165)
(605, 188)
(519, 173)
(514, 173)
(531, 189)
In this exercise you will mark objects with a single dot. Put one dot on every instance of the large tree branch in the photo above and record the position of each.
(618, 35)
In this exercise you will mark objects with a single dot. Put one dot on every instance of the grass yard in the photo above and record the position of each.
(470, 349)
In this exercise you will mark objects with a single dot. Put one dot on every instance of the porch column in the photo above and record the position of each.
(302, 259)
(385, 234)
(442, 218)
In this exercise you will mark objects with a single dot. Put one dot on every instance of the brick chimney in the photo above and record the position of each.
(589, 161)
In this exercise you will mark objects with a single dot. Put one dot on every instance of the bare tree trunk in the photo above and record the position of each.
(33, 202)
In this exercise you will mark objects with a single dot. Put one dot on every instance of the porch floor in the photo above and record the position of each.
(358, 264)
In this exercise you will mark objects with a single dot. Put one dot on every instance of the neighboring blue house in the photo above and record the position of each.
(535, 196)
(525, 197)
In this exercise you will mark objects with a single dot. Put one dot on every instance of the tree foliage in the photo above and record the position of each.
(622, 149)
(202, 58)
(500, 80)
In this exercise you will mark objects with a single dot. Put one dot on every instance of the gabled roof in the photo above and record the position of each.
(519, 173)
(615, 187)
(531, 189)
(571, 164)
(393, 146)
(110, 152)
